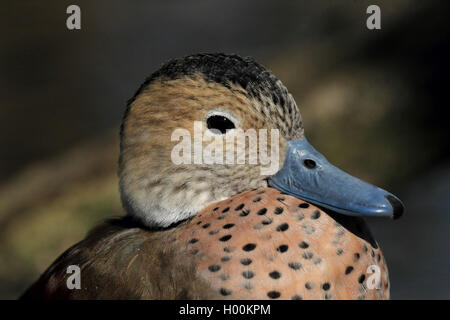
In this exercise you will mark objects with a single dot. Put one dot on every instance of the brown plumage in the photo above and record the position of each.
(195, 231)
(119, 260)
(275, 247)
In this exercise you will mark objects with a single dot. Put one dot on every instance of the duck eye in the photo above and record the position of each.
(310, 164)
(220, 123)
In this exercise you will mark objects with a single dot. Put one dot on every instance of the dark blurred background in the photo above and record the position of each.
(375, 102)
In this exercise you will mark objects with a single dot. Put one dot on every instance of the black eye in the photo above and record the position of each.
(220, 123)
(310, 164)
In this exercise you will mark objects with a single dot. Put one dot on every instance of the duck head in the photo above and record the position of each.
(180, 144)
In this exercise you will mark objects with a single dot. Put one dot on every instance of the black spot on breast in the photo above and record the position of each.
(225, 292)
(244, 213)
(303, 205)
(213, 232)
(267, 221)
(295, 265)
(309, 285)
(361, 278)
(283, 248)
(225, 259)
(226, 209)
(246, 261)
(283, 227)
(257, 199)
(326, 286)
(239, 207)
(273, 294)
(249, 247)
(225, 238)
(315, 215)
(262, 212)
(348, 270)
(339, 251)
(206, 225)
(228, 226)
(193, 240)
(214, 268)
(296, 297)
(248, 274)
(303, 245)
(356, 256)
(281, 199)
(275, 275)
(278, 210)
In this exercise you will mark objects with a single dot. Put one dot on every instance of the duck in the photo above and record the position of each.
(199, 227)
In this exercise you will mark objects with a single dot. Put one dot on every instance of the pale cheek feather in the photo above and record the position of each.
(162, 193)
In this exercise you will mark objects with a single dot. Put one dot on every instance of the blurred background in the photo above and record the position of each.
(375, 102)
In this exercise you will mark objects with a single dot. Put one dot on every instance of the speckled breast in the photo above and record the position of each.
(262, 244)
